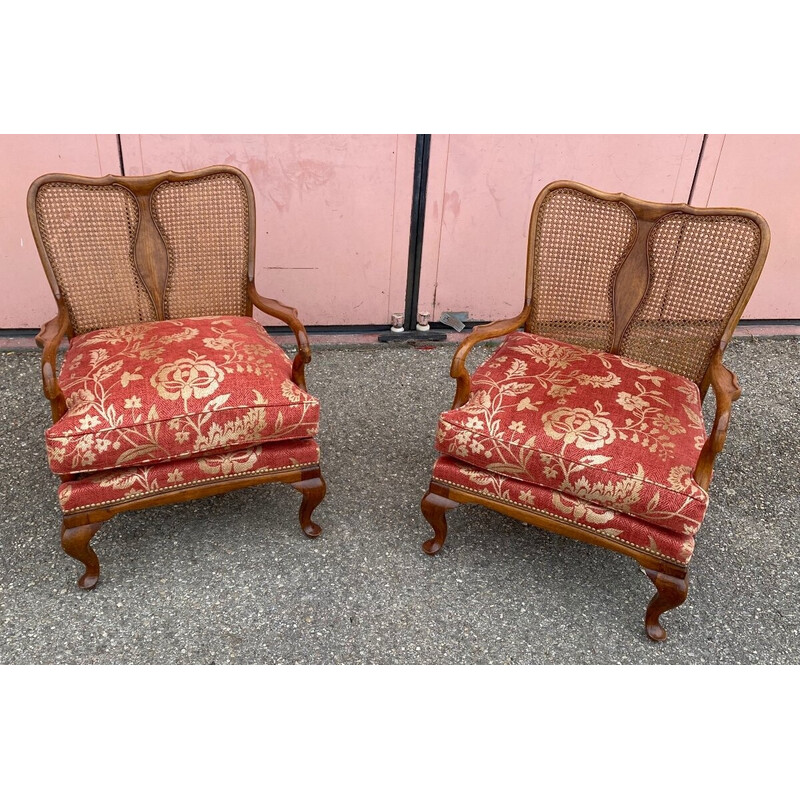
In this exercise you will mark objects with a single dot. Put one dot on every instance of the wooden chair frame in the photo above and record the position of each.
(629, 290)
(151, 260)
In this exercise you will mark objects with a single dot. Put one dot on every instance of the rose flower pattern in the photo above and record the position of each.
(632, 448)
(188, 377)
(144, 394)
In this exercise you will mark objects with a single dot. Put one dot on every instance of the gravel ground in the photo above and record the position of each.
(231, 579)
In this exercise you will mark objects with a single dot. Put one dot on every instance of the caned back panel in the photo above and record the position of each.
(699, 264)
(580, 243)
(88, 233)
(205, 226)
(699, 267)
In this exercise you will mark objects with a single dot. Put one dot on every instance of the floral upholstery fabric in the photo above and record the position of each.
(120, 485)
(157, 391)
(606, 522)
(590, 425)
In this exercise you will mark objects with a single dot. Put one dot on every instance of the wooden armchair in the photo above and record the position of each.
(169, 389)
(588, 422)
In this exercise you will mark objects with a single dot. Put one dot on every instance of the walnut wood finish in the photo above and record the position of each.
(288, 315)
(628, 289)
(630, 284)
(672, 591)
(75, 542)
(434, 506)
(49, 338)
(150, 258)
(726, 391)
(313, 489)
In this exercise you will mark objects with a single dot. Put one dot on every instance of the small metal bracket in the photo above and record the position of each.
(455, 319)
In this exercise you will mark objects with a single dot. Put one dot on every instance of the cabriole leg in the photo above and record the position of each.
(671, 593)
(75, 542)
(434, 507)
(313, 489)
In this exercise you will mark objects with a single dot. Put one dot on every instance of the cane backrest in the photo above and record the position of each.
(660, 283)
(121, 250)
(579, 244)
(699, 268)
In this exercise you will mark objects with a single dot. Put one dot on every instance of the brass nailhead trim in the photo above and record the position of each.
(191, 483)
(564, 519)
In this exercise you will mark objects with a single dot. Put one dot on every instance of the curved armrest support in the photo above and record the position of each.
(288, 315)
(726, 390)
(49, 338)
(458, 368)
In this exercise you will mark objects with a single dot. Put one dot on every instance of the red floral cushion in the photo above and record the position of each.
(609, 523)
(157, 391)
(120, 485)
(591, 425)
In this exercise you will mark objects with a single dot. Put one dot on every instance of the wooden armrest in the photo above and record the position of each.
(288, 315)
(49, 338)
(726, 391)
(458, 368)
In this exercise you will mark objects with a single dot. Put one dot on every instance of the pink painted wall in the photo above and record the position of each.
(334, 210)
(761, 172)
(481, 189)
(333, 214)
(26, 300)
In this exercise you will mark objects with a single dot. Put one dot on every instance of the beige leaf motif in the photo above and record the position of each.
(135, 452)
(690, 392)
(127, 377)
(516, 388)
(694, 418)
(216, 403)
(107, 370)
(518, 367)
(505, 469)
(599, 381)
(228, 463)
(96, 356)
(594, 461)
(119, 482)
(481, 478)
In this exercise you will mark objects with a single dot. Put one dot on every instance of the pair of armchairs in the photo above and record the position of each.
(586, 421)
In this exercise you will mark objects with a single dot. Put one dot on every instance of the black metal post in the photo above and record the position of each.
(422, 156)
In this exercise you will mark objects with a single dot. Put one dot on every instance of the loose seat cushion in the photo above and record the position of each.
(134, 483)
(590, 425)
(608, 523)
(157, 391)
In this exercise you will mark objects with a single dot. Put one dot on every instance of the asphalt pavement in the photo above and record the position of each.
(232, 580)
